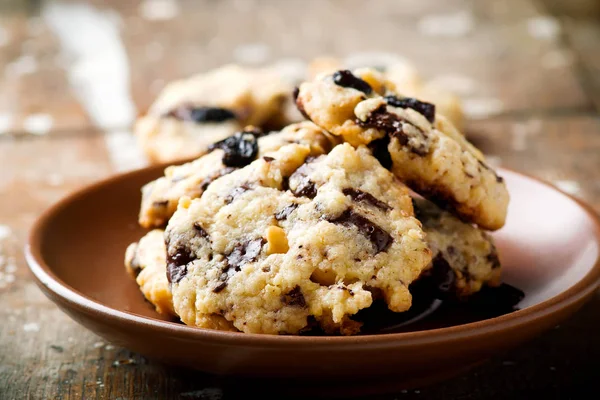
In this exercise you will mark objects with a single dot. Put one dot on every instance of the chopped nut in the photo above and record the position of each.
(277, 240)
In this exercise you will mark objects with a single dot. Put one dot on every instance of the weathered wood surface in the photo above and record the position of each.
(529, 72)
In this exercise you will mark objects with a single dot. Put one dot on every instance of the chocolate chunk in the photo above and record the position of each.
(305, 188)
(201, 231)
(300, 108)
(285, 212)
(268, 159)
(177, 263)
(220, 287)
(423, 108)
(295, 93)
(359, 195)
(239, 149)
(160, 204)
(222, 172)
(236, 192)
(245, 253)
(392, 125)
(134, 262)
(303, 185)
(381, 239)
(201, 114)
(380, 151)
(294, 297)
(493, 258)
(347, 79)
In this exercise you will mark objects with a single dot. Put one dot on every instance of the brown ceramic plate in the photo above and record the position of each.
(549, 249)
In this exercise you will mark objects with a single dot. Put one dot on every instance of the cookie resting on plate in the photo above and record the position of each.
(160, 197)
(291, 239)
(422, 148)
(464, 252)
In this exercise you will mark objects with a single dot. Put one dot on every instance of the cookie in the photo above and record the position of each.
(401, 77)
(463, 255)
(146, 261)
(421, 148)
(293, 239)
(192, 113)
(160, 197)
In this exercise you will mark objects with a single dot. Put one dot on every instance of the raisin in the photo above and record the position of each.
(423, 108)
(381, 239)
(201, 114)
(347, 79)
(359, 195)
(239, 149)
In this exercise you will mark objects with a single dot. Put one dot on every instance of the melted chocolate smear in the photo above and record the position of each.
(222, 172)
(294, 298)
(391, 124)
(177, 264)
(347, 79)
(359, 195)
(201, 114)
(236, 192)
(245, 253)
(423, 108)
(285, 212)
(381, 239)
(380, 151)
(239, 149)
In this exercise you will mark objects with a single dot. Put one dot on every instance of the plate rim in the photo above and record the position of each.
(55, 287)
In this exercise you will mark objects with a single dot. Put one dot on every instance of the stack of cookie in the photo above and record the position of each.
(280, 232)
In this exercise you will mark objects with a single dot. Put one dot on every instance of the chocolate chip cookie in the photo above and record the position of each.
(291, 239)
(192, 113)
(464, 255)
(146, 261)
(421, 148)
(402, 78)
(160, 197)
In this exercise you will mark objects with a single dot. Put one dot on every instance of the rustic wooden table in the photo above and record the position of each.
(77, 73)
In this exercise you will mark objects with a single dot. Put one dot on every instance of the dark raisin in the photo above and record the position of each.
(380, 151)
(222, 172)
(177, 263)
(423, 108)
(239, 149)
(347, 79)
(245, 253)
(201, 114)
(285, 212)
(381, 239)
(359, 195)
(294, 297)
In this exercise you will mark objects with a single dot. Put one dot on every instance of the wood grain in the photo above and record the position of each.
(542, 81)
